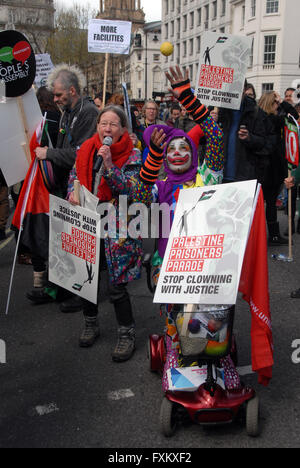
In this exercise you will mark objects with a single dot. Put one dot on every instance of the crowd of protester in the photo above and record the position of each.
(224, 145)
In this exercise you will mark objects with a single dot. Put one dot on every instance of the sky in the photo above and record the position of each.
(152, 8)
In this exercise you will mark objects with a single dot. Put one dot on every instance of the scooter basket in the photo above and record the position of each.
(206, 332)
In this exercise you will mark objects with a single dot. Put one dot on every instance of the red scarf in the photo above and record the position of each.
(85, 160)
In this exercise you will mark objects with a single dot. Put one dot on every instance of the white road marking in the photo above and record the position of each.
(46, 409)
(120, 394)
(245, 370)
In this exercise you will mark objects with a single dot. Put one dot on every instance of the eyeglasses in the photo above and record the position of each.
(111, 124)
(276, 102)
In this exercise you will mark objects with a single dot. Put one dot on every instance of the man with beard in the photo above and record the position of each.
(77, 124)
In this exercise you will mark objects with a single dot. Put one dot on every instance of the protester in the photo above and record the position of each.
(288, 98)
(4, 207)
(288, 95)
(175, 113)
(277, 110)
(290, 182)
(77, 124)
(247, 141)
(150, 113)
(185, 121)
(179, 153)
(98, 100)
(250, 91)
(121, 167)
(45, 98)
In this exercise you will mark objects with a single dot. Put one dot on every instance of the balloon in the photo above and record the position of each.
(167, 48)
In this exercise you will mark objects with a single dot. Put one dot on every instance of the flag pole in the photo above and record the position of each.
(32, 175)
(290, 219)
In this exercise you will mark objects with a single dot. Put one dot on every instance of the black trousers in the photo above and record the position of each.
(270, 196)
(119, 297)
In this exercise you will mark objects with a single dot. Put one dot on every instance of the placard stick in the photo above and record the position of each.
(77, 191)
(105, 79)
(290, 218)
(189, 309)
(24, 145)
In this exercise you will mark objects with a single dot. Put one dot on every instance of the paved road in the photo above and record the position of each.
(54, 394)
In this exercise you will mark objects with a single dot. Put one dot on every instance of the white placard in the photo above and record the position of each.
(206, 247)
(13, 162)
(108, 36)
(224, 60)
(74, 248)
(44, 66)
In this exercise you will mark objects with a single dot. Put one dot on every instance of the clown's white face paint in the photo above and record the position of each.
(179, 155)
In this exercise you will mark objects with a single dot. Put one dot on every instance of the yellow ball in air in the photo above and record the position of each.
(167, 48)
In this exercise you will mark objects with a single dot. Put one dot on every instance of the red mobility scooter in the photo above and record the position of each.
(196, 386)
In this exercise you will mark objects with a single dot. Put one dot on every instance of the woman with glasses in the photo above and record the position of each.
(108, 165)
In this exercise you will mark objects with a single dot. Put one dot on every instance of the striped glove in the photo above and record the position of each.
(151, 167)
(192, 104)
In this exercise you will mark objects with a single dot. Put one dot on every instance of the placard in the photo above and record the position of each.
(205, 251)
(74, 248)
(108, 36)
(17, 63)
(224, 60)
(44, 66)
(291, 132)
(13, 161)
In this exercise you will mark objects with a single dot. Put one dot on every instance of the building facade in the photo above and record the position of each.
(272, 24)
(121, 10)
(33, 18)
(143, 67)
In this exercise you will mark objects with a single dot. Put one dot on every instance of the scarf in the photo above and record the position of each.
(85, 162)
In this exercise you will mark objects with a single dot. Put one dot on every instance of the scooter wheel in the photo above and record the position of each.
(167, 418)
(252, 416)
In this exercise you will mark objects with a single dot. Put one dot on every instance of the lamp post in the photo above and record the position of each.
(155, 39)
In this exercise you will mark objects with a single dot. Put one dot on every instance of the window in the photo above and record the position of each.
(272, 6)
(192, 20)
(253, 8)
(267, 87)
(223, 8)
(191, 46)
(185, 23)
(270, 51)
(243, 16)
(214, 8)
(251, 54)
(199, 17)
(156, 57)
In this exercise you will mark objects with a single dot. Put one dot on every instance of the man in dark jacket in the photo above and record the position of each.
(248, 141)
(77, 124)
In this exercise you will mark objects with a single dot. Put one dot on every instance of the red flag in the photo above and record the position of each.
(254, 285)
(33, 204)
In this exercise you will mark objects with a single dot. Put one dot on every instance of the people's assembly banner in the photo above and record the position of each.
(17, 63)
(206, 247)
(44, 66)
(74, 248)
(222, 69)
(109, 36)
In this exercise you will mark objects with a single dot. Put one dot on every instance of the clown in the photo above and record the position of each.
(178, 152)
